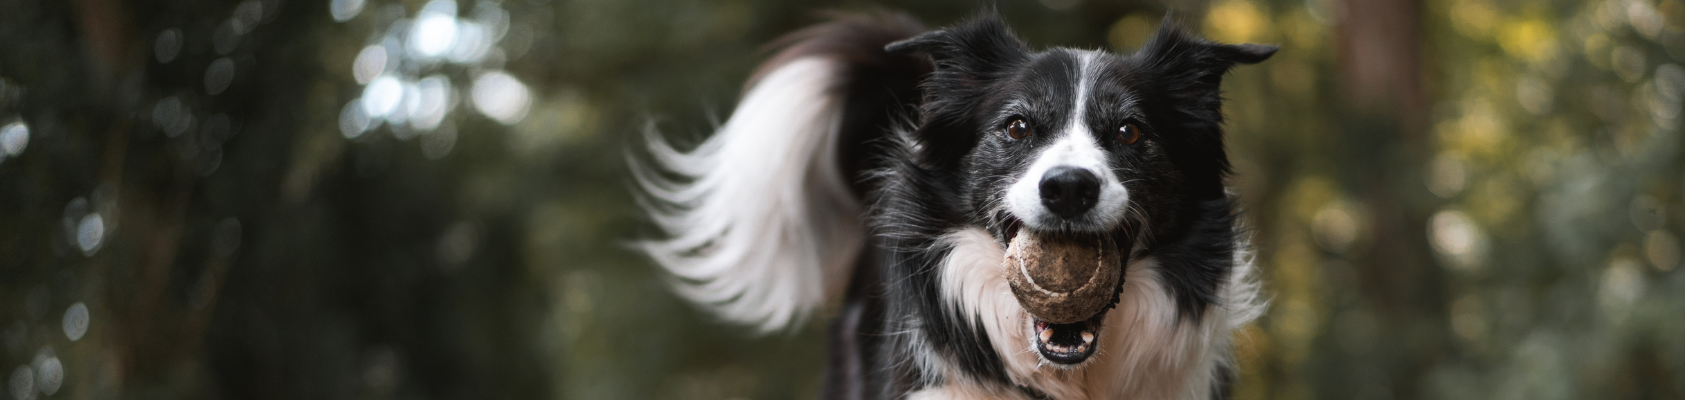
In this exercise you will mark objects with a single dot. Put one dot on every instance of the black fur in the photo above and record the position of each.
(950, 170)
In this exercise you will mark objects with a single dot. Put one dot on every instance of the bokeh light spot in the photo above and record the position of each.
(1235, 21)
(382, 96)
(492, 17)
(370, 63)
(433, 95)
(1336, 226)
(167, 46)
(90, 233)
(246, 16)
(1622, 285)
(435, 40)
(13, 139)
(345, 10)
(49, 372)
(1457, 237)
(501, 97)
(76, 321)
(354, 120)
(219, 75)
(171, 116)
(1645, 18)
(1130, 31)
(22, 383)
(472, 42)
(434, 30)
(1530, 40)
(409, 100)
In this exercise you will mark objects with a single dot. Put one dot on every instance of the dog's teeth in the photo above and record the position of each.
(1046, 335)
(1087, 337)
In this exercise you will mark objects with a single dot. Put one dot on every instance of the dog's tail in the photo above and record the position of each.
(764, 221)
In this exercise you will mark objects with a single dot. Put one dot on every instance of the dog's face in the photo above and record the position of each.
(1070, 151)
(1067, 146)
(1077, 145)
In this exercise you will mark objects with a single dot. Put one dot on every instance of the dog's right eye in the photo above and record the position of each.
(1016, 128)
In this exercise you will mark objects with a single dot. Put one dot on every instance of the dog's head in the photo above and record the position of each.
(1075, 147)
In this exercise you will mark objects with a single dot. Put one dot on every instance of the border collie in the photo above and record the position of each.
(891, 167)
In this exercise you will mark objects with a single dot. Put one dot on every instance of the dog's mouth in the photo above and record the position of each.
(1066, 283)
(1067, 344)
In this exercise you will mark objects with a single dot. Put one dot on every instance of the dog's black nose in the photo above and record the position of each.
(1069, 192)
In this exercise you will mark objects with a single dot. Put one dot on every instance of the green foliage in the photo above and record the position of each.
(187, 212)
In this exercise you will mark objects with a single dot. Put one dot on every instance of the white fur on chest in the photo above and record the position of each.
(1146, 353)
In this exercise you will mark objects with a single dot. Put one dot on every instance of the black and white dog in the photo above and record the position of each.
(871, 160)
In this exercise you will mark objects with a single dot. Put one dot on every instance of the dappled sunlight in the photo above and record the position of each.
(1550, 124)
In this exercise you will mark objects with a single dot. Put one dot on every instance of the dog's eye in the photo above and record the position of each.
(1016, 128)
(1128, 134)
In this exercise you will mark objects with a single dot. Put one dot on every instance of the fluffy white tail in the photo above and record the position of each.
(762, 227)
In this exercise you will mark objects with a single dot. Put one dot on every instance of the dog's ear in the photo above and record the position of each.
(967, 60)
(966, 54)
(1195, 63)
(1186, 75)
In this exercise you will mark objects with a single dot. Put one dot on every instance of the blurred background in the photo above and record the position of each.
(370, 199)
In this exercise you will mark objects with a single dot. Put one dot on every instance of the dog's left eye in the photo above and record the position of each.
(1128, 134)
(1017, 128)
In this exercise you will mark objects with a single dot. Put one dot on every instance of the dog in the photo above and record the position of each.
(871, 160)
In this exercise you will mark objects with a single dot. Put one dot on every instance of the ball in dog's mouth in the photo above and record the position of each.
(1063, 279)
(1066, 282)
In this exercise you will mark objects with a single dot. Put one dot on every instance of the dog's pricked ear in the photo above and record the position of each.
(1176, 52)
(1186, 77)
(1248, 53)
(967, 59)
(968, 51)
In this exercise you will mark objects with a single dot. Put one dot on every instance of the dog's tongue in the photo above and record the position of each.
(1063, 279)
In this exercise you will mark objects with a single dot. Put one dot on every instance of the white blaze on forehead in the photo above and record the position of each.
(1077, 147)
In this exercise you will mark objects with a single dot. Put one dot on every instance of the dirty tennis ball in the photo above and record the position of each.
(1061, 279)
